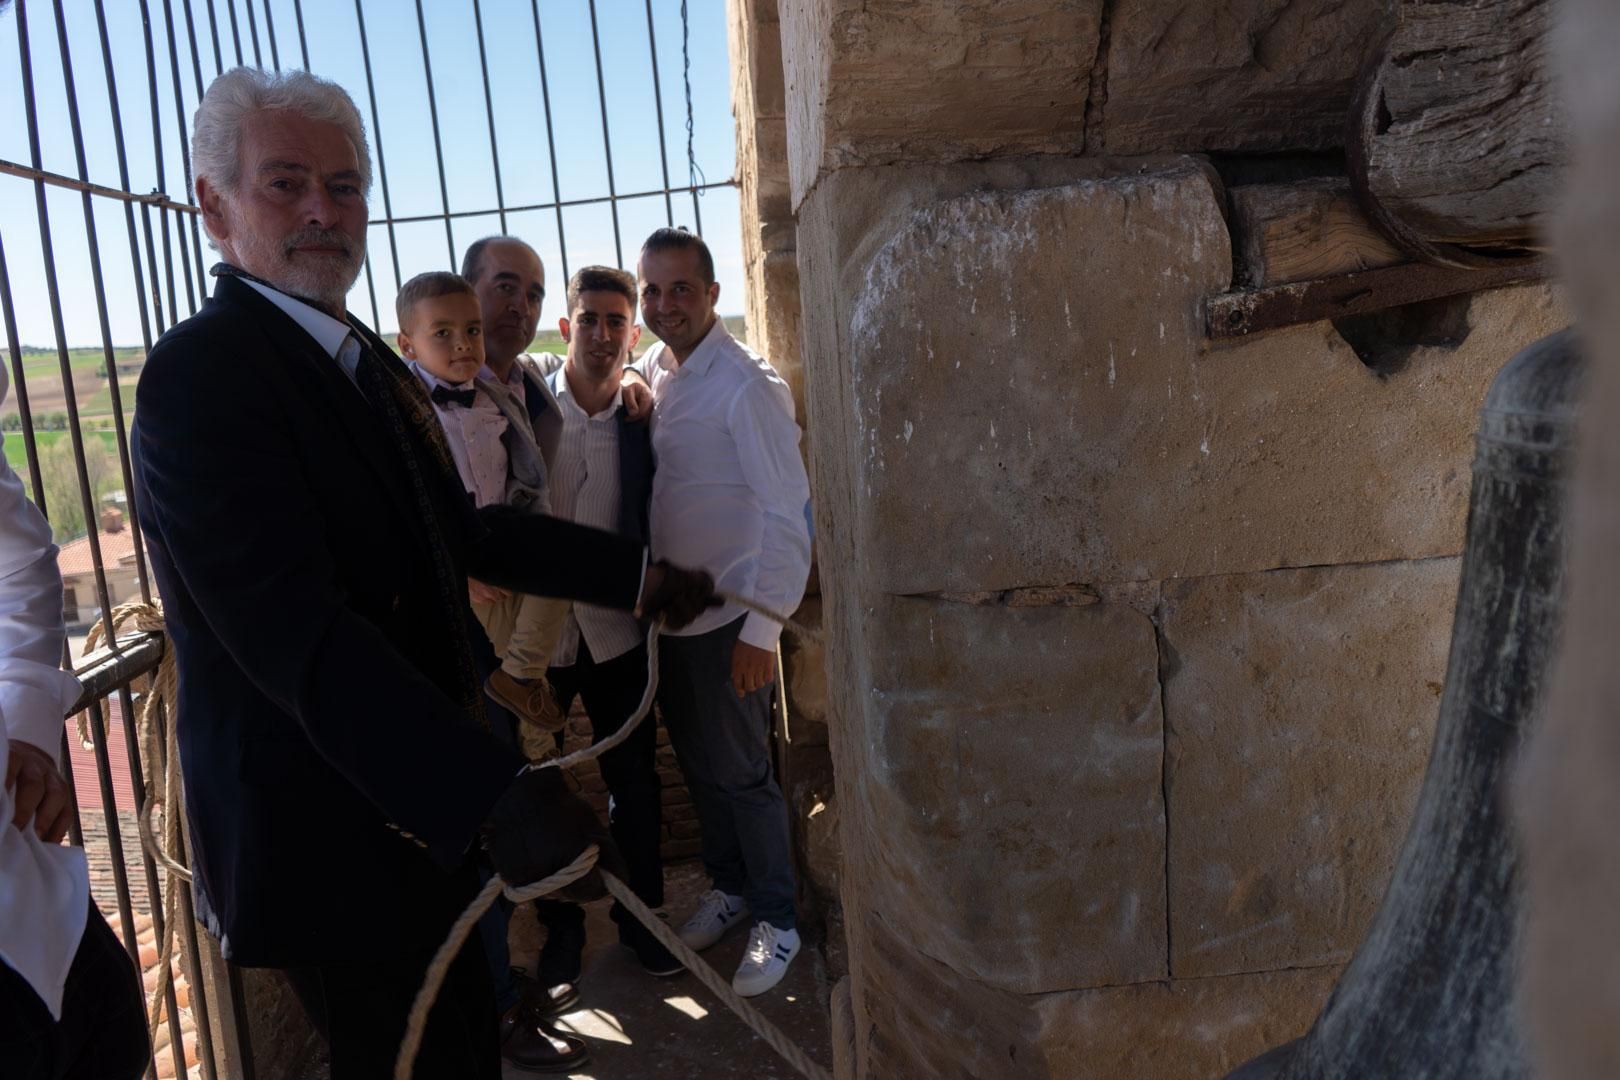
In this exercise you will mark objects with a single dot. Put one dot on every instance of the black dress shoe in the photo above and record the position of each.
(563, 954)
(534, 1046)
(655, 959)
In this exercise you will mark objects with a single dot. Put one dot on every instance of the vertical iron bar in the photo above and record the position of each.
(303, 43)
(157, 157)
(185, 155)
(191, 37)
(607, 139)
(20, 385)
(489, 113)
(154, 894)
(691, 158)
(551, 142)
(140, 299)
(236, 33)
(376, 136)
(658, 105)
(253, 32)
(64, 362)
(137, 784)
(213, 32)
(371, 291)
(238, 996)
(115, 840)
(75, 825)
(438, 145)
(270, 34)
(98, 285)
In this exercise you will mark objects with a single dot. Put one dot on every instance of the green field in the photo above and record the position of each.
(17, 453)
(40, 362)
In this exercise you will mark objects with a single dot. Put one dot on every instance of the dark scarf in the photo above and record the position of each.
(401, 403)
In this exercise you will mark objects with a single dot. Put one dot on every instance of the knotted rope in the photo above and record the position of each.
(462, 928)
(164, 786)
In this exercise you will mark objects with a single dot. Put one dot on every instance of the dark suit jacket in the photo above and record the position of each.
(317, 680)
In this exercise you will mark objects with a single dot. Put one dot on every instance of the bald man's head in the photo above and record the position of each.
(511, 284)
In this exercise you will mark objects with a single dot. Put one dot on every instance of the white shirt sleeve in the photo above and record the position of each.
(767, 439)
(34, 692)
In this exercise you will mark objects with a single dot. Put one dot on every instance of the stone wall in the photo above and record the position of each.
(1135, 643)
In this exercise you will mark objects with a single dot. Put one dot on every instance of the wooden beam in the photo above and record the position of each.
(1303, 230)
(1457, 142)
(1252, 311)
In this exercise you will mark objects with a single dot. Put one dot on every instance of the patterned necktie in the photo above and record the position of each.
(443, 395)
(416, 434)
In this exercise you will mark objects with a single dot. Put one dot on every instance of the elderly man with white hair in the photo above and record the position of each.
(312, 547)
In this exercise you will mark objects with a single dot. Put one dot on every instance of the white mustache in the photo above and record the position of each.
(321, 238)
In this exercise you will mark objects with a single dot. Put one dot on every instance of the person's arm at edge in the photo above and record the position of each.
(767, 439)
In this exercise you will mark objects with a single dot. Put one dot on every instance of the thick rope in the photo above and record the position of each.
(433, 980)
(164, 786)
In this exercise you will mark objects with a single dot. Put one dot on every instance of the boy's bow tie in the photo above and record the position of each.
(443, 395)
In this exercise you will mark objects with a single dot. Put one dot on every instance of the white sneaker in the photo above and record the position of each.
(716, 913)
(770, 951)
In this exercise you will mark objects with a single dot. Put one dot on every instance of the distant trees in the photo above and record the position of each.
(60, 477)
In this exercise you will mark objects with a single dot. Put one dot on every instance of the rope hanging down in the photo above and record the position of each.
(149, 618)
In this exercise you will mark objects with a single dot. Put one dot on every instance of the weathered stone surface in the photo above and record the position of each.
(938, 81)
(1189, 75)
(952, 80)
(1300, 706)
(927, 1022)
(813, 797)
(1042, 350)
(975, 717)
(804, 666)
(1177, 1030)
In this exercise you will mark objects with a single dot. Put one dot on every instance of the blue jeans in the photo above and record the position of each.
(723, 745)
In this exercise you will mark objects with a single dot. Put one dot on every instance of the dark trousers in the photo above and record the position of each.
(102, 1033)
(611, 691)
(723, 744)
(361, 1006)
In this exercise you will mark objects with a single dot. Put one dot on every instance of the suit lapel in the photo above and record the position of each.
(318, 379)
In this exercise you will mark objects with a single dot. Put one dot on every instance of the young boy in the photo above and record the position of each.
(492, 442)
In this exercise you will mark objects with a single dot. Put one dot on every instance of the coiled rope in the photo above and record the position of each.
(165, 787)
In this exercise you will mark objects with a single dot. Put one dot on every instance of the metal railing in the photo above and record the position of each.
(168, 279)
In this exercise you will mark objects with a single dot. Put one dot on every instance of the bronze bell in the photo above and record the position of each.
(1430, 992)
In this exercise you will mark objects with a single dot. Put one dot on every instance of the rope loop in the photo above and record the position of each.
(164, 788)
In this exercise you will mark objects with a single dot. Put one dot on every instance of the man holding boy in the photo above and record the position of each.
(312, 544)
(731, 496)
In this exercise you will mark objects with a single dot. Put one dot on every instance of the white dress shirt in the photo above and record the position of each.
(730, 494)
(44, 888)
(585, 489)
(335, 336)
(474, 435)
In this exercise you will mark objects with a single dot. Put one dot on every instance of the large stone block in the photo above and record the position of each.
(1179, 1030)
(1025, 378)
(1012, 772)
(942, 80)
(1190, 75)
(915, 1018)
(1300, 706)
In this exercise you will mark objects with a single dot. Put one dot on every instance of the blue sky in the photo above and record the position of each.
(331, 30)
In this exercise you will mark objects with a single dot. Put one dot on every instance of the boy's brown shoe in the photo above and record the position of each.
(530, 700)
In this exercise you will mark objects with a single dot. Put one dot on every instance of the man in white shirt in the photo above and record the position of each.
(730, 495)
(602, 475)
(70, 1005)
